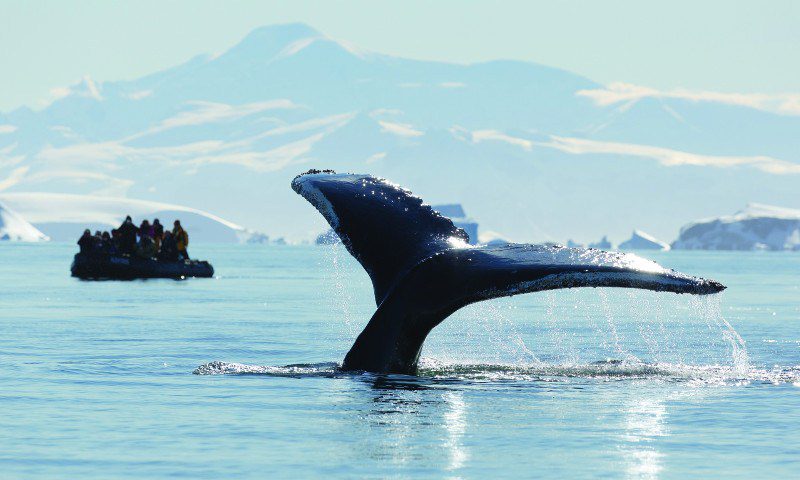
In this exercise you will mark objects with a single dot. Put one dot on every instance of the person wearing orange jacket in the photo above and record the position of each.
(181, 239)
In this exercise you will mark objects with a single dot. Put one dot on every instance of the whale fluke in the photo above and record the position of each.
(386, 228)
(423, 269)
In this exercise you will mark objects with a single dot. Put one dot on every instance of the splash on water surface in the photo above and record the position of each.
(570, 335)
(609, 370)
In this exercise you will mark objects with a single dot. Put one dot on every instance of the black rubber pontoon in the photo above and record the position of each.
(123, 267)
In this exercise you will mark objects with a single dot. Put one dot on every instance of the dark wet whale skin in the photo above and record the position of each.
(423, 270)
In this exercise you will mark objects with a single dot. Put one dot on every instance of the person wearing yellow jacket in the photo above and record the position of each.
(181, 239)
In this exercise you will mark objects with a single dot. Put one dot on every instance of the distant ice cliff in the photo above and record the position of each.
(757, 227)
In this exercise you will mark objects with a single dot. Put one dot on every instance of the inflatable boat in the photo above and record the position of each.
(124, 267)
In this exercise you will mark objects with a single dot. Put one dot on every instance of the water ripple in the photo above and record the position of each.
(606, 370)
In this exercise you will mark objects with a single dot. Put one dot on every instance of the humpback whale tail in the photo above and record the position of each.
(422, 268)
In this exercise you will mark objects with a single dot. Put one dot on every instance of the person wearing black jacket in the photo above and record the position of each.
(127, 232)
(158, 233)
(169, 249)
(86, 242)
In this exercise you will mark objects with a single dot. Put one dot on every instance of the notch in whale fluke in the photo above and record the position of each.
(423, 269)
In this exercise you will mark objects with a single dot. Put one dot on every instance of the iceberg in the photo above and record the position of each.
(63, 217)
(643, 241)
(603, 244)
(757, 227)
(257, 238)
(15, 228)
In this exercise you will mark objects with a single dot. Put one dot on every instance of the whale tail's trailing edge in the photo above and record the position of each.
(423, 270)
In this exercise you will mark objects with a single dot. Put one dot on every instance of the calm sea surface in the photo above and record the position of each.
(98, 377)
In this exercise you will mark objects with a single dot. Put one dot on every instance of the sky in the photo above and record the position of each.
(725, 46)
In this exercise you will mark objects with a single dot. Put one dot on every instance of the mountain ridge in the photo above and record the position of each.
(224, 132)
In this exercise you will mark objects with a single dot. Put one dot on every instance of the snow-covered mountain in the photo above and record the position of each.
(532, 151)
(15, 228)
(643, 241)
(757, 227)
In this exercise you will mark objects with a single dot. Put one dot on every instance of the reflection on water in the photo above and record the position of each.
(408, 424)
(393, 423)
(645, 421)
(646, 428)
(455, 423)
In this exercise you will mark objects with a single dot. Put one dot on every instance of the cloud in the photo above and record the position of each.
(668, 157)
(400, 129)
(380, 112)
(375, 158)
(7, 129)
(7, 160)
(109, 153)
(209, 112)
(494, 135)
(111, 186)
(115, 155)
(329, 124)
(618, 92)
(16, 176)
(270, 161)
(138, 95)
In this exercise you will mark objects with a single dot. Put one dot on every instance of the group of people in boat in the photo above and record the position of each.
(145, 241)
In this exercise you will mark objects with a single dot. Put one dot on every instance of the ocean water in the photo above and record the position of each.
(162, 378)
